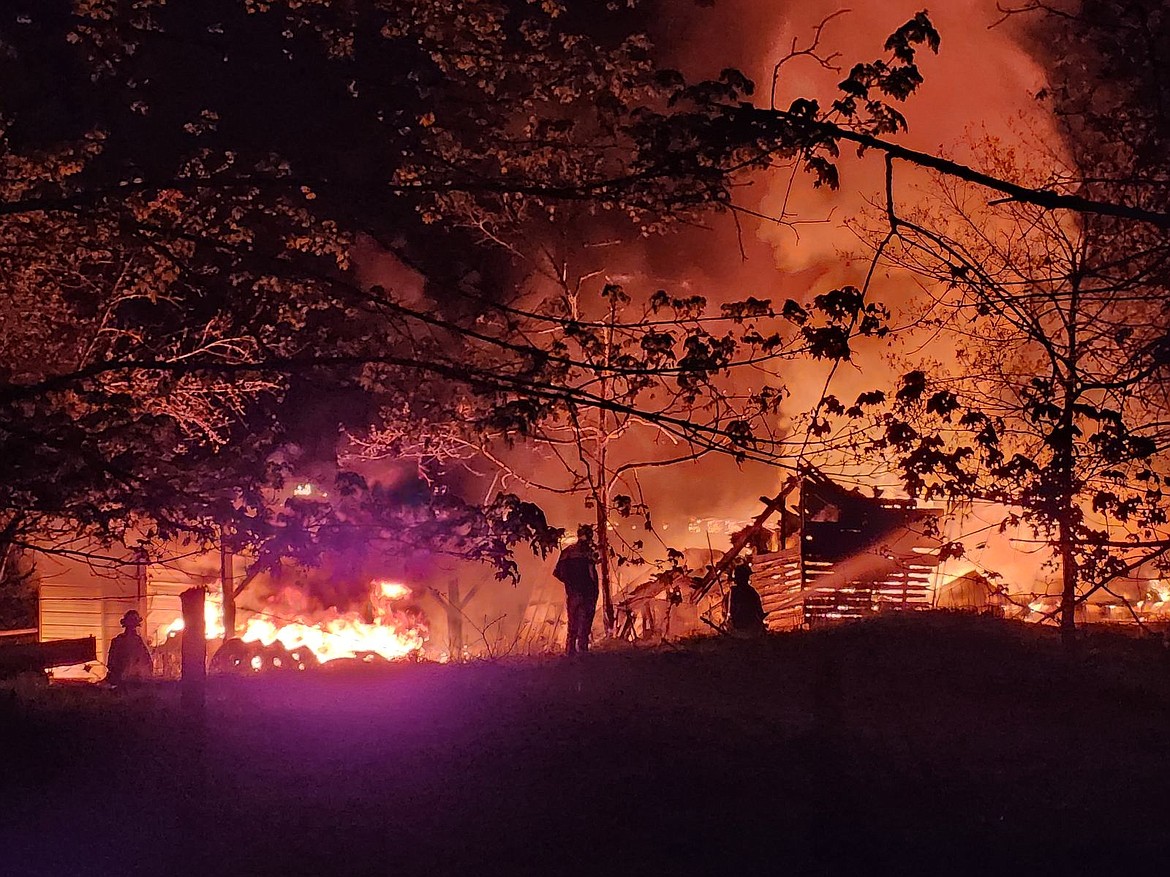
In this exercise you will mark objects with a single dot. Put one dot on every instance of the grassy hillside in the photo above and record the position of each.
(936, 743)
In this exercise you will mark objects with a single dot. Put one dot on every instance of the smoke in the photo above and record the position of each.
(981, 83)
(982, 80)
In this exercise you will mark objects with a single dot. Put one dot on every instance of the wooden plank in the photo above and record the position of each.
(741, 540)
(34, 657)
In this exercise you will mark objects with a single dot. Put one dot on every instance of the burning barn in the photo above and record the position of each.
(842, 555)
(820, 553)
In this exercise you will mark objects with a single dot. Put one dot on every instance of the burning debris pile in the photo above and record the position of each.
(287, 635)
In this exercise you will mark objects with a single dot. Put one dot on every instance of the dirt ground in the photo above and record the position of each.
(922, 744)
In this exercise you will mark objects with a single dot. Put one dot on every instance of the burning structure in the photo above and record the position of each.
(820, 553)
(299, 638)
(290, 630)
(841, 555)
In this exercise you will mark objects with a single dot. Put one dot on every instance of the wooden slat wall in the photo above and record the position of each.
(777, 577)
(70, 611)
(908, 587)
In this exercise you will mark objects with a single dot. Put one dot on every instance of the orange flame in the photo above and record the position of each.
(392, 633)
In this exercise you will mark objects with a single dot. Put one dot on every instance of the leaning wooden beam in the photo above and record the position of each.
(743, 537)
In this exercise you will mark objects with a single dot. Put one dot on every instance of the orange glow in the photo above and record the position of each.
(392, 590)
(212, 618)
(387, 631)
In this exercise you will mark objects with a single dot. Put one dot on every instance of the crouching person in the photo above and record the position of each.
(129, 658)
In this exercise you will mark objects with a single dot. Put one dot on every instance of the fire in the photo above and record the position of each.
(212, 618)
(1162, 588)
(387, 631)
(392, 590)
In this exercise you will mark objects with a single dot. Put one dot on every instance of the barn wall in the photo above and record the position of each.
(78, 600)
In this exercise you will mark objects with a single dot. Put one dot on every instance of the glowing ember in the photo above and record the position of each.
(392, 590)
(386, 631)
(1162, 589)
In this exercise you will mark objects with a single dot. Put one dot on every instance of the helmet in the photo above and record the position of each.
(131, 619)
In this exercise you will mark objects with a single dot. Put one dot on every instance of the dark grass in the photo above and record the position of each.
(924, 744)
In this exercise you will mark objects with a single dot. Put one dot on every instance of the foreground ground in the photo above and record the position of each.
(925, 744)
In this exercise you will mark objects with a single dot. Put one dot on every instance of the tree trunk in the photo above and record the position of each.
(1066, 456)
(454, 621)
(603, 559)
(1068, 593)
(141, 585)
(601, 494)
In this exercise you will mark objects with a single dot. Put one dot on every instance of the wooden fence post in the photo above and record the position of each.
(194, 673)
(227, 582)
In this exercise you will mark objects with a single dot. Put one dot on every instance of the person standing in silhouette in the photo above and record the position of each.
(576, 569)
(746, 610)
(129, 658)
